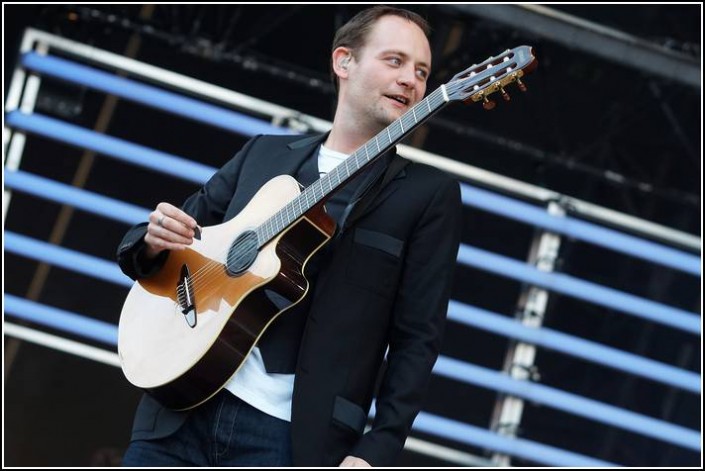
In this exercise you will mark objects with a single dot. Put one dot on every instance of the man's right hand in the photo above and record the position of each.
(169, 228)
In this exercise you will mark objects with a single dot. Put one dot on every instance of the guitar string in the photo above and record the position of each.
(201, 277)
(209, 272)
(287, 215)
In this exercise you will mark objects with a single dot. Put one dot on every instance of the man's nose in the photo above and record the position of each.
(406, 77)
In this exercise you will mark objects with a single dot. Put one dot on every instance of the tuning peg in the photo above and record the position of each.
(488, 104)
(521, 85)
(505, 95)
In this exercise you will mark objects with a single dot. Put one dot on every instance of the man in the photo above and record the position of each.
(381, 285)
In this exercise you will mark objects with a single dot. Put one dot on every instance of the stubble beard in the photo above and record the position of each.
(383, 115)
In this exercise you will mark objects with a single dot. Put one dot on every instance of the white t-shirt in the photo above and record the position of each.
(328, 159)
(268, 392)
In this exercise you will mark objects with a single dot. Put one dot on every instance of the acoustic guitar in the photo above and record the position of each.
(185, 331)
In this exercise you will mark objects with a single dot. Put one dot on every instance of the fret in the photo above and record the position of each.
(340, 171)
(340, 174)
(310, 199)
(346, 164)
(302, 201)
(410, 121)
(299, 207)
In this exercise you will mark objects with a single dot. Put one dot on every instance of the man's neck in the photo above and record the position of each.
(347, 136)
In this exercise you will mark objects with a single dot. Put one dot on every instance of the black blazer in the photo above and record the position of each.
(385, 284)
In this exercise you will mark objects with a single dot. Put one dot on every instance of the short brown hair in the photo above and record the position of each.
(353, 34)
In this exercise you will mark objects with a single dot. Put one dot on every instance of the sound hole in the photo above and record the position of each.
(242, 253)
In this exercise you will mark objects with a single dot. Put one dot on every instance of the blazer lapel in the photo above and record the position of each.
(386, 192)
(299, 151)
(376, 172)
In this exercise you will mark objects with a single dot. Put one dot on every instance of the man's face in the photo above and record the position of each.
(388, 74)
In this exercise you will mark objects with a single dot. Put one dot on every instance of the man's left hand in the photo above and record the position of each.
(353, 462)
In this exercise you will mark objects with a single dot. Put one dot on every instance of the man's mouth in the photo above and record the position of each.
(399, 99)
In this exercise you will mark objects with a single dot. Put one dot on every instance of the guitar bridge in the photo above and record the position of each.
(185, 296)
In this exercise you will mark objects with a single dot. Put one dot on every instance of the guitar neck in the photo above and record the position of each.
(368, 153)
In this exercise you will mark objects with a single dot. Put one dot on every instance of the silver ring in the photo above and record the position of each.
(160, 221)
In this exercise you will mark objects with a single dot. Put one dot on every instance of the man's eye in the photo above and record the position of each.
(395, 60)
(422, 74)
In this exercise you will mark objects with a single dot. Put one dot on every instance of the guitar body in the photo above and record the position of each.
(185, 331)
(182, 359)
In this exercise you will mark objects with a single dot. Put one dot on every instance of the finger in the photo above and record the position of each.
(160, 218)
(159, 244)
(175, 227)
(170, 246)
(165, 232)
(176, 214)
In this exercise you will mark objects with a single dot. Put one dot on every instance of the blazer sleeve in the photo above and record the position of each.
(417, 327)
(207, 206)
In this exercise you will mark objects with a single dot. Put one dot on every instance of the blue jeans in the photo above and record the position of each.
(225, 431)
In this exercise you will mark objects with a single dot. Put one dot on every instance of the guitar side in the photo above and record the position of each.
(185, 359)
(183, 364)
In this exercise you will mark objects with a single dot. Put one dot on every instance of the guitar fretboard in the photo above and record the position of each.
(363, 156)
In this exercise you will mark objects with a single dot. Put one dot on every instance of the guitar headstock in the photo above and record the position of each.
(479, 81)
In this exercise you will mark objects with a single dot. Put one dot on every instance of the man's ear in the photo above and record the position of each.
(341, 60)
